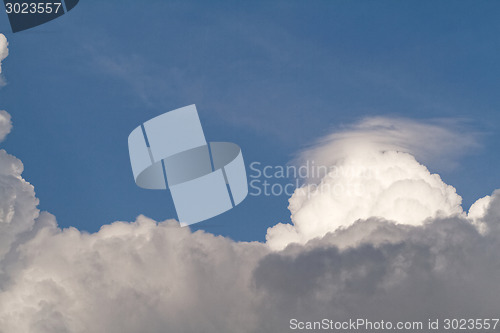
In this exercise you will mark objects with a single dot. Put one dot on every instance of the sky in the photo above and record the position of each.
(272, 77)
(406, 91)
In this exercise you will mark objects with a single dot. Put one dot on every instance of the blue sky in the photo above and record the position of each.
(270, 76)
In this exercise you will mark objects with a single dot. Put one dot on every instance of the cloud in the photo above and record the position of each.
(439, 142)
(131, 277)
(444, 269)
(4, 52)
(371, 173)
(401, 250)
(17, 197)
(157, 277)
(5, 124)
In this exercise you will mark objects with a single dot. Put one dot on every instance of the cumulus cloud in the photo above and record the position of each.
(157, 277)
(401, 250)
(17, 197)
(5, 124)
(131, 277)
(371, 173)
(4, 52)
(444, 269)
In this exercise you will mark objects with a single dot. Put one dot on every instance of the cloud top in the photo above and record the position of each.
(371, 173)
(437, 142)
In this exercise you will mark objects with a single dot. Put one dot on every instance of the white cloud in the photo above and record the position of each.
(477, 213)
(4, 52)
(434, 142)
(17, 197)
(372, 174)
(5, 124)
(157, 277)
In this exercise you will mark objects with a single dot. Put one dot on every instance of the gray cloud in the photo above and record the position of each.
(394, 272)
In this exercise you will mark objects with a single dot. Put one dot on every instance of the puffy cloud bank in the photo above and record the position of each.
(400, 249)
